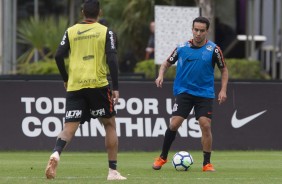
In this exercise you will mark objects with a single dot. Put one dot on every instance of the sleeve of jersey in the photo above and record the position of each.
(173, 57)
(111, 54)
(61, 53)
(218, 57)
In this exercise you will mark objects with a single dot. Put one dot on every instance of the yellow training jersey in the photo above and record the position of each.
(87, 67)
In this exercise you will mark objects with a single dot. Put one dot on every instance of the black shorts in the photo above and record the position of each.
(184, 103)
(89, 103)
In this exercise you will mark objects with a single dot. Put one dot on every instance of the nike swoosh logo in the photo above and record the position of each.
(238, 123)
(81, 32)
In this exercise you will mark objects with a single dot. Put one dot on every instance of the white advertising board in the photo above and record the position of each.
(173, 26)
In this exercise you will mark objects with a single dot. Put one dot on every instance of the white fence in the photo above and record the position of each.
(272, 61)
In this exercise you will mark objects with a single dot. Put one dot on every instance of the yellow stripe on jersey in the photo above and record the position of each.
(87, 67)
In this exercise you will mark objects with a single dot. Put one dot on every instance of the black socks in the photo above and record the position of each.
(60, 145)
(169, 138)
(113, 164)
(207, 157)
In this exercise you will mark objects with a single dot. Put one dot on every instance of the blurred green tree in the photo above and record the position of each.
(43, 35)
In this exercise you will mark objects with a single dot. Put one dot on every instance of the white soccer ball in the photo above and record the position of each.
(182, 161)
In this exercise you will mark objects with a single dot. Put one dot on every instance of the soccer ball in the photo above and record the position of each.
(182, 161)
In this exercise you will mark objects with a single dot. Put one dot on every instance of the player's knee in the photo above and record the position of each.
(173, 128)
(175, 123)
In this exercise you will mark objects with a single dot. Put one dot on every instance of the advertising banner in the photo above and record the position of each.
(32, 115)
(173, 27)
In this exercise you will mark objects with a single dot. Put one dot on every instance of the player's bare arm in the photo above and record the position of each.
(166, 64)
(224, 80)
(218, 58)
(163, 69)
(66, 85)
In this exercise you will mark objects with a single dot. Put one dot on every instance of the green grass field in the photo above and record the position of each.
(251, 167)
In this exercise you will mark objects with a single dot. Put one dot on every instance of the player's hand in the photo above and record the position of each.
(115, 97)
(159, 82)
(222, 97)
(66, 85)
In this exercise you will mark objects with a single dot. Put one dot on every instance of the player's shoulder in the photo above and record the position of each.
(73, 27)
(209, 42)
(211, 46)
(184, 44)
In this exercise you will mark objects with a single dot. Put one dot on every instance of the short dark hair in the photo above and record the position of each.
(91, 8)
(202, 20)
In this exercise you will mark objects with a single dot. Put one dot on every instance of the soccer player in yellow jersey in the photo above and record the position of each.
(92, 52)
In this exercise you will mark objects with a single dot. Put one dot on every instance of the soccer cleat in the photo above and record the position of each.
(51, 168)
(115, 175)
(159, 162)
(208, 167)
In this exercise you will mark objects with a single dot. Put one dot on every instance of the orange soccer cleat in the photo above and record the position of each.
(208, 167)
(159, 162)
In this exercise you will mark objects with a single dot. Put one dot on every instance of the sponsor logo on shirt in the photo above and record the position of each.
(112, 40)
(209, 47)
(173, 55)
(64, 39)
(81, 32)
(175, 106)
(85, 58)
(218, 56)
(95, 35)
